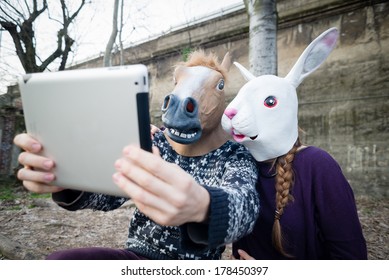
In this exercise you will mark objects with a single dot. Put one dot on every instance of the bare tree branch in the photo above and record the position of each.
(20, 26)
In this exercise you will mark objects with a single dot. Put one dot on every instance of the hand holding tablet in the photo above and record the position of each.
(84, 118)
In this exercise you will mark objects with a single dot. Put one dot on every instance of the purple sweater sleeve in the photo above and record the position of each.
(336, 210)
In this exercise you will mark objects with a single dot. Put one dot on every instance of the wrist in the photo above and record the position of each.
(202, 215)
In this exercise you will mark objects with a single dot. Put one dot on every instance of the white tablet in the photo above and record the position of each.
(84, 119)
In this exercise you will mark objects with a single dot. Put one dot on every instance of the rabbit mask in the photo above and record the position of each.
(263, 115)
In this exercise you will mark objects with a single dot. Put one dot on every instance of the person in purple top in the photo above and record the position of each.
(321, 220)
(307, 207)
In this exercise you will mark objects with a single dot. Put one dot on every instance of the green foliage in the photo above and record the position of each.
(185, 53)
(7, 190)
(10, 191)
(40, 195)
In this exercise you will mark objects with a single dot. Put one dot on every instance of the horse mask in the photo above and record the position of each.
(263, 116)
(197, 102)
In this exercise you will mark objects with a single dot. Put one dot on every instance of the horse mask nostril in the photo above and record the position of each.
(166, 103)
(190, 105)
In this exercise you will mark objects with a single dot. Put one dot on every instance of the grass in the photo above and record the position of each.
(11, 192)
(6, 194)
(7, 190)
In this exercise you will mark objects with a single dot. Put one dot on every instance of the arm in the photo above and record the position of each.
(337, 213)
(234, 205)
(73, 200)
(170, 196)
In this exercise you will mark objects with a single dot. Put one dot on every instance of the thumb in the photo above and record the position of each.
(156, 151)
(244, 256)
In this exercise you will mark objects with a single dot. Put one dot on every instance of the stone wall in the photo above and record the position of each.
(11, 123)
(344, 105)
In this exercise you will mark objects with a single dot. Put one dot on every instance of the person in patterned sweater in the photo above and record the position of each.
(194, 194)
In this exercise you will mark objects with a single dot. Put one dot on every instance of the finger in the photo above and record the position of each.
(27, 143)
(41, 188)
(156, 151)
(135, 191)
(35, 161)
(154, 164)
(154, 129)
(143, 177)
(147, 203)
(161, 217)
(26, 174)
(244, 256)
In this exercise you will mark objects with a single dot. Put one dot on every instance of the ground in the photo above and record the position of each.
(33, 226)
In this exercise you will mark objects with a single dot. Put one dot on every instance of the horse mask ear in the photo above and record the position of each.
(226, 63)
(313, 56)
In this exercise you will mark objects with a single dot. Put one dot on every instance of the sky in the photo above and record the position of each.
(143, 20)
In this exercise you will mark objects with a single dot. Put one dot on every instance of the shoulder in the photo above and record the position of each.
(315, 162)
(237, 151)
(232, 156)
(234, 147)
(316, 156)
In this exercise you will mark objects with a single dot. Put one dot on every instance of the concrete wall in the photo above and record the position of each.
(11, 123)
(344, 105)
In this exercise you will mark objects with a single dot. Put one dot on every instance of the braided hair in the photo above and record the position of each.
(284, 182)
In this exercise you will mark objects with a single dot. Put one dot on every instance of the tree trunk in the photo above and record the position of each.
(120, 33)
(112, 38)
(262, 16)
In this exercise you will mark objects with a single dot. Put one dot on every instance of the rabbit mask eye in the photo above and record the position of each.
(270, 101)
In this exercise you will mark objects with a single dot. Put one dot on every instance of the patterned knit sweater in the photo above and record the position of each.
(228, 173)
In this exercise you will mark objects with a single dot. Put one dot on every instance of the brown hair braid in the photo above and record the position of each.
(284, 181)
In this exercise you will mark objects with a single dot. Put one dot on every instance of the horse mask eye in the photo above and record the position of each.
(270, 101)
(220, 85)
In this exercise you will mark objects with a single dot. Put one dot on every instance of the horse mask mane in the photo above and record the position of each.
(195, 106)
(263, 116)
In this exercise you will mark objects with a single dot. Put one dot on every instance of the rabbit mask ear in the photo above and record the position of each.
(245, 73)
(313, 56)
